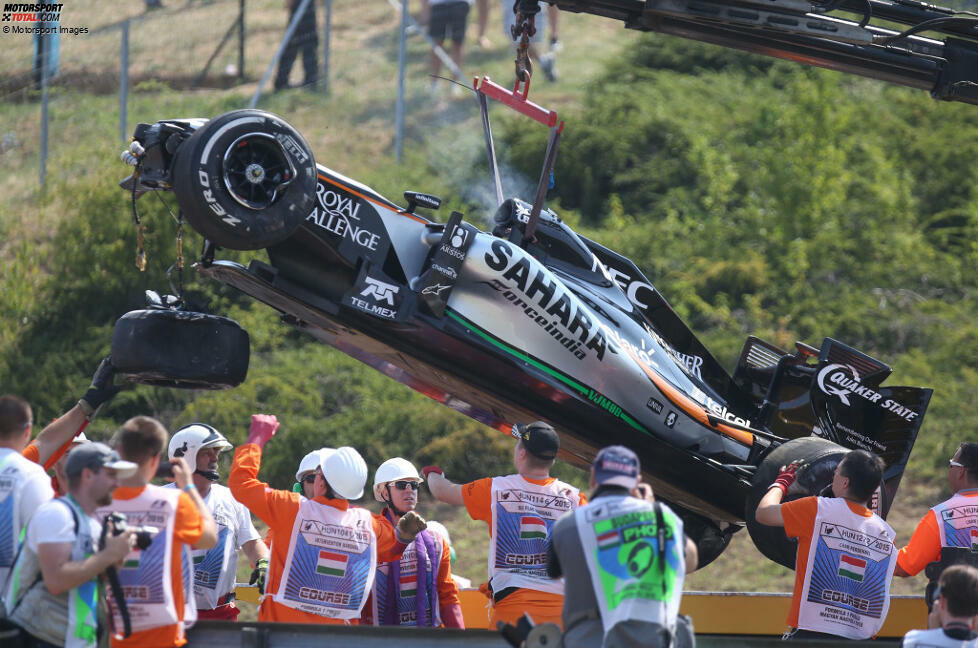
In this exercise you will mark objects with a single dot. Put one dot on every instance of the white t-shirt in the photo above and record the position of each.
(53, 523)
(935, 639)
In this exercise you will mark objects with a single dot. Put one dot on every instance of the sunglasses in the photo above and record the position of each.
(310, 479)
(954, 464)
(404, 485)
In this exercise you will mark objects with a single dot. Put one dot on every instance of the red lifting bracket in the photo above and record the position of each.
(517, 100)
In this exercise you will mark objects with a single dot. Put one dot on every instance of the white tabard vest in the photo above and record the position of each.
(523, 514)
(957, 520)
(145, 574)
(215, 568)
(406, 587)
(15, 471)
(633, 580)
(331, 561)
(935, 639)
(850, 566)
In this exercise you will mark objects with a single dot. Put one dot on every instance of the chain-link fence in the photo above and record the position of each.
(97, 48)
(183, 44)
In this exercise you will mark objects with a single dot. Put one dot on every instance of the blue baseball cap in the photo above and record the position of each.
(616, 465)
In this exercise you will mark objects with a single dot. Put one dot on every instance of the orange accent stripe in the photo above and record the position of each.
(688, 405)
(369, 199)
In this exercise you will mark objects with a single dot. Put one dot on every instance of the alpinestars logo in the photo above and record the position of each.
(434, 290)
(380, 291)
(842, 381)
(32, 12)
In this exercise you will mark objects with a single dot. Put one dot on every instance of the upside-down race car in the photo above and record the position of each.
(505, 328)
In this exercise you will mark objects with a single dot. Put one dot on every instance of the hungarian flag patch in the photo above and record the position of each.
(608, 539)
(409, 585)
(852, 567)
(331, 564)
(532, 527)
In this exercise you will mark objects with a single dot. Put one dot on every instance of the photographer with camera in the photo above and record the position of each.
(52, 593)
(157, 598)
(200, 445)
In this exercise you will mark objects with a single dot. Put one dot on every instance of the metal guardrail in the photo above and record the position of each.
(720, 620)
(297, 635)
(294, 635)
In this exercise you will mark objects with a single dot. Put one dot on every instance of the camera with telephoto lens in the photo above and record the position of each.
(144, 534)
(165, 470)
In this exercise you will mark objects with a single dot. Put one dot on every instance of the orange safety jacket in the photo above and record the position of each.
(278, 509)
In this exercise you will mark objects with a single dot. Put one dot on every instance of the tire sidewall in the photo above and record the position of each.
(180, 349)
(772, 541)
(207, 204)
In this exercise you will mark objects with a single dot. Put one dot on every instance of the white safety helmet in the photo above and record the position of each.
(190, 439)
(392, 470)
(312, 461)
(345, 471)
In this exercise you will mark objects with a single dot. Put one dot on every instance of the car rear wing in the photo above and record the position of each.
(834, 392)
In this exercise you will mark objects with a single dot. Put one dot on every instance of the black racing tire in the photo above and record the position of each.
(710, 540)
(180, 349)
(245, 180)
(821, 456)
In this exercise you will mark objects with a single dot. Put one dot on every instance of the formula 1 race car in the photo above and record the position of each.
(505, 327)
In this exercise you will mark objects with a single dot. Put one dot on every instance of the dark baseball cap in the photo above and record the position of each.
(539, 439)
(96, 456)
(616, 465)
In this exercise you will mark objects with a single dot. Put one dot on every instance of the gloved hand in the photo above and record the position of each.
(259, 574)
(409, 526)
(263, 427)
(102, 389)
(787, 475)
(427, 470)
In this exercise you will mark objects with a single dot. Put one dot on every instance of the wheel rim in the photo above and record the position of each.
(257, 170)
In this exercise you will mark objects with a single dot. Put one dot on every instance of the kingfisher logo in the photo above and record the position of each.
(843, 382)
(32, 12)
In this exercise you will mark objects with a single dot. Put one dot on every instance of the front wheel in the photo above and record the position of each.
(245, 180)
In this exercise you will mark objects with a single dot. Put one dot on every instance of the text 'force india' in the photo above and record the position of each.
(504, 329)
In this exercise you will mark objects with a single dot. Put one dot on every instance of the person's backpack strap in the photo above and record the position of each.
(661, 537)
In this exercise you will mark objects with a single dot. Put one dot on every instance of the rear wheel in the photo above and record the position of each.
(245, 180)
(821, 457)
(711, 541)
(181, 349)
(709, 538)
